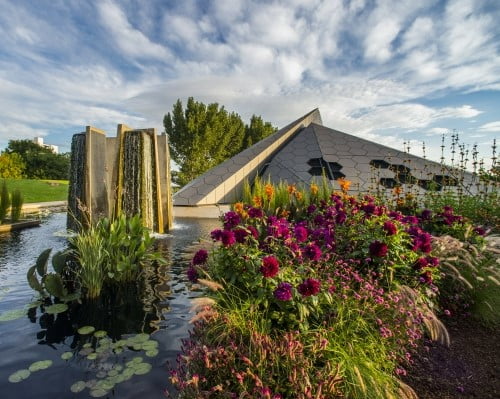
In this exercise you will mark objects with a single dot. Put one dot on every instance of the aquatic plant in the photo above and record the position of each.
(4, 201)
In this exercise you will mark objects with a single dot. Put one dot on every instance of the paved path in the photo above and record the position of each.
(35, 207)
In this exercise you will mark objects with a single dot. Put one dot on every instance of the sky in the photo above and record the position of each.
(387, 71)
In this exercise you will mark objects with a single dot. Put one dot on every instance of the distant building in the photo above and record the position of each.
(39, 141)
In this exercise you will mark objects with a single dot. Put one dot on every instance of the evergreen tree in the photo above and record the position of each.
(202, 136)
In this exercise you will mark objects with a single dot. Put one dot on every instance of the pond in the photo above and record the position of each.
(160, 315)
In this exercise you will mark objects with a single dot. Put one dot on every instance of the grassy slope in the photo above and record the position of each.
(39, 190)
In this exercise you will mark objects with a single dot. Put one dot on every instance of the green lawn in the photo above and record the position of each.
(39, 190)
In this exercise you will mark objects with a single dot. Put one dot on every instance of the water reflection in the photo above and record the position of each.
(160, 308)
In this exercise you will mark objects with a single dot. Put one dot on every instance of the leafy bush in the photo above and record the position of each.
(17, 205)
(4, 201)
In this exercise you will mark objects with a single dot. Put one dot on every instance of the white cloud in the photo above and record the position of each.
(131, 41)
(379, 38)
(490, 127)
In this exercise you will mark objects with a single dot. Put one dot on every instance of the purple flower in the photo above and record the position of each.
(309, 287)
(311, 208)
(192, 274)
(369, 208)
(426, 278)
(253, 231)
(426, 214)
(312, 251)
(200, 257)
(283, 292)
(255, 213)
(240, 235)
(231, 219)
(421, 263)
(270, 266)
(341, 217)
(216, 234)
(410, 220)
(378, 248)
(390, 228)
(228, 238)
(300, 233)
(395, 215)
(480, 231)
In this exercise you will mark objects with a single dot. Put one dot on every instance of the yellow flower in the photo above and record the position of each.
(291, 189)
(397, 190)
(298, 195)
(284, 213)
(238, 208)
(314, 189)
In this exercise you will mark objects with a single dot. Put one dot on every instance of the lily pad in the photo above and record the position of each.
(57, 308)
(152, 353)
(100, 334)
(86, 351)
(118, 367)
(101, 374)
(19, 375)
(67, 355)
(40, 365)
(98, 393)
(78, 386)
(12, 315)
(112, 373)
(92, 356)
(118, 351)
(142, 368)
(33, 304)
(87, 345)
(86, 330)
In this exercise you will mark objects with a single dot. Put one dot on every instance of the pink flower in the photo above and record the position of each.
(227, 238)
(378, 248)
(390, 228)
(300, 233)
(231, 219)
(309, 287)
(312, 251)
(270, 266)
(283, 292)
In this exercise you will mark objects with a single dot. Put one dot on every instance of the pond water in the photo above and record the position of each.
(162, 313)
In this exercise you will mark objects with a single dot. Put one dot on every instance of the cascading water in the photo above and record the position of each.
(76, 192)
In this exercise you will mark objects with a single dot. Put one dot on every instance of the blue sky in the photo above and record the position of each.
(387, 71)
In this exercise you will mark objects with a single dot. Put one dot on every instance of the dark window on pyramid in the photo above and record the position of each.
(429, 185)
(445, 180)
(389, 182)
(379, 164)
(330, 169)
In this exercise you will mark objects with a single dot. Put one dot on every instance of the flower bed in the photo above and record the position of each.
(326, 300)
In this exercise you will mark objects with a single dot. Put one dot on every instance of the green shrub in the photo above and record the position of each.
(4, 201)
(17, 205)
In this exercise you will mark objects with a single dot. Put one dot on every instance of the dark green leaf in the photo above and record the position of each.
(41, 262)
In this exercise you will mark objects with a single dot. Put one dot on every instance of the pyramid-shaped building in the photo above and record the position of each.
(303, 151)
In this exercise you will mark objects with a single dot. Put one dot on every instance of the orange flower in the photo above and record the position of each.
(314, 189)
(238, 208)
(257, 201)
(344, 184)
(291, 189)
(269, 190)
(298, 195)
(284, 213)
(397, 190)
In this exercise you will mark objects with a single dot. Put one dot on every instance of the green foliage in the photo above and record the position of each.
(4, 201)
(12, 166)
(202, 136)
(40, 162)
(17, 205)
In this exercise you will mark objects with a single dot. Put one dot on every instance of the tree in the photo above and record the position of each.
(41, 162)
(12, 166)
(202, 136)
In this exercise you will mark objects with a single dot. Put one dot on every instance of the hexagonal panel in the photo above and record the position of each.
(334, 166)
(400, 169)
(388, 182)
(379, 164)
(445, 180)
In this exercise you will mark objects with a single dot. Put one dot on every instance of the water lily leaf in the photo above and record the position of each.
(142, 368)
(86, 330)
(137, 359)
(152, 353)
(78, 386)
(67, 355)
(100, 334)
(137, 347)
(19, 375)
(59, 261)
(86, 352)
(33, 280)
(87, 345)
(98, 393)
(54, 285)
(101, 374)
(33, 305)
(113, 373)
(91, 383)
(71, 297)
(118, 351)
(118, 367)
(105, 385)
(12, 314)
(40, 365)
(57, 308)
(141, 338)
(41, 262)
(92, 356)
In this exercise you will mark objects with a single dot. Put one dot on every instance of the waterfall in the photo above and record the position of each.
(76, 193)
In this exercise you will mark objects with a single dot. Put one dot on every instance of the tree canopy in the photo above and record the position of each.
(12, 166)
(40, 162)
(202, 136)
